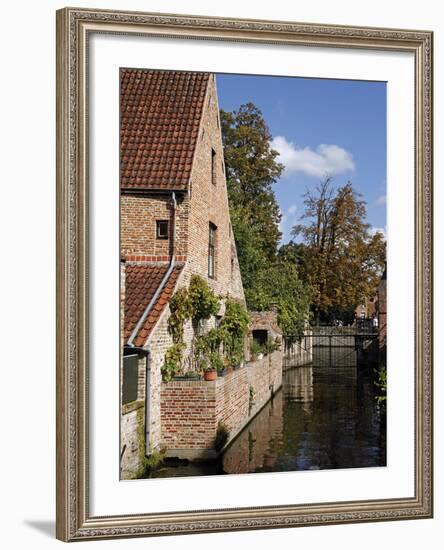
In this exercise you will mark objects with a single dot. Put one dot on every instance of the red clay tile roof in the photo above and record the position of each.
(141, 283)
(160, 113)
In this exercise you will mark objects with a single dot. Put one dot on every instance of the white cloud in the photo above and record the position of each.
(282, 222)
(326, 159)
(373, 230)
(292, 209)
(382, 199)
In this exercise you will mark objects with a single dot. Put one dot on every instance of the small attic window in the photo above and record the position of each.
(213, 167)
(212, 251)
(162, 229)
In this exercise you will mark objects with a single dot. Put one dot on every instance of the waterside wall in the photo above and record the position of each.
(198, 418)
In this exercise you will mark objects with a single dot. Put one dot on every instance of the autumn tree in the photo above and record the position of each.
(342, 259)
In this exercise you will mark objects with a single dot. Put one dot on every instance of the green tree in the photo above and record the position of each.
(251, 169)
(280, 285)
(269, 276)
(292, 251)
(342, 260)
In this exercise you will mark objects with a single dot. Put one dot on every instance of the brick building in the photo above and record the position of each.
(175, 222)
(367, 309)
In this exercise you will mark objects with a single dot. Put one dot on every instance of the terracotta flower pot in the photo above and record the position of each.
(210, 375)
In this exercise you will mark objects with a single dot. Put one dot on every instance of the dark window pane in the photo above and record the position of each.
(213, 166)
(212, 251)
(162, 229)
(130, 378)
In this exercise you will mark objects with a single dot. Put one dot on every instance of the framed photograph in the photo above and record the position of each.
(244, 274)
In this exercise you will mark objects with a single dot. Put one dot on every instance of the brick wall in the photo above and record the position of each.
(138, 225)
(158, 342)
(265, 377)
(188, 418)
(209, 203)
(192, 410)
(232, 405)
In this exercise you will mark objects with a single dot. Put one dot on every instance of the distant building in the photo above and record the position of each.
(367, 309)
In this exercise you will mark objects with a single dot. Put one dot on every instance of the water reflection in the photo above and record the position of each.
(298, 385)
(323, 418)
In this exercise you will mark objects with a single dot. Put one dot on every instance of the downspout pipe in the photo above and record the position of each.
(153, 300)
(141, 321)
(147, 396)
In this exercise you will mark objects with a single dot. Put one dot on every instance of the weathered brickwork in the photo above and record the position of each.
(158, 343)
(264, 321)
(265, 377)
(209, 204)
(192, 410)
(139, 214)
(232, 406)
(131, 427)
(188, 416)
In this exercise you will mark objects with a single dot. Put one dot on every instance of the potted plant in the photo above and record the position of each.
(210, 373)
(214, 365)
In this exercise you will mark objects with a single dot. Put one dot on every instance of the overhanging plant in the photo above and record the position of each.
(203, 302)
(234, 326)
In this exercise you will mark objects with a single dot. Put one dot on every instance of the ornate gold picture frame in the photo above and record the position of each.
(74, 518)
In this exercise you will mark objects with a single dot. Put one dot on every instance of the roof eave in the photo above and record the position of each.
(151, 190)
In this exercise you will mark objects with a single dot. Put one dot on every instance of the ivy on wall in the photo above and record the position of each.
(221, 346)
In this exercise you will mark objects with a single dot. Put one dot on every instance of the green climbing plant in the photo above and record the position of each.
(220, 346)
(234, 326)
(172, 364)
(207, 350)
(181, 310)
(381, 384)
(203, 302)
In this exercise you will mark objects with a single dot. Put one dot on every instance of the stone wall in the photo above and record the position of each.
(191, 410)
(132, 440)
(159, 341)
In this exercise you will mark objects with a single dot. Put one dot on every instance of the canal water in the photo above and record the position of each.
(322, 418)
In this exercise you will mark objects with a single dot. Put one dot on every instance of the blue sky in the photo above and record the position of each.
(318, 126)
